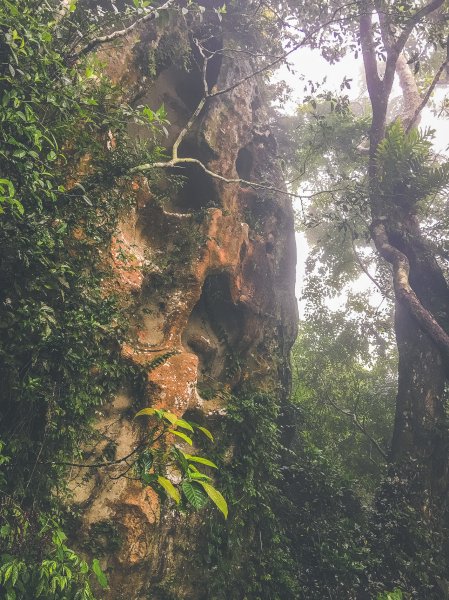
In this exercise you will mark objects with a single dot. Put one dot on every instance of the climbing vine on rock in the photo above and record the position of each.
(64, 162)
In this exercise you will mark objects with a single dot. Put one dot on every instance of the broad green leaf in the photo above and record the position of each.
(169, 488)
(101, 577)
(15, 575)
(201, 460)
(9, 184)
(18, 206)
(148, 113)
(84, 567)
(181, 435)
(170, 417)
(148, 478)
(216, 497)
(183, 424)
(8, 572)
(194, 494)
(206, 432)
(145, 411)
(198, 475)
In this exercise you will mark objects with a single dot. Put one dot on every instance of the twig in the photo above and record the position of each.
(109, 463)
(359, 426)
(414, 20)
(282, 57)
(367, 273)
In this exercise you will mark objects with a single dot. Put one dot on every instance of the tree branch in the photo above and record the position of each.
(373, 80)
(404, 291)
(384, 23)
(177, 162)
(282, 57)
(111, 463)
(428, 93)
(410, 92)
(413, 21)
(150, 16)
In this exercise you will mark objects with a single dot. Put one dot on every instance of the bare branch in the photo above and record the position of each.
(109, 463)
(384, 23)
(185, 130)
(282, 58)
(150, 16)
(178, 162)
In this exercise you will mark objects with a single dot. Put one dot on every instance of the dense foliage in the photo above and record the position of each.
(64, 159)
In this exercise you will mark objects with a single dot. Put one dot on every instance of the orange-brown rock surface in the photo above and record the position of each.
(210, 269)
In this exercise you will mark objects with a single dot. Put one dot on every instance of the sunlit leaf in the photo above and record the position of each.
(169, 488)
(216, 497)
(201, 460)
(206, 432)
(181, 435)
(145, 411)
(184, 424)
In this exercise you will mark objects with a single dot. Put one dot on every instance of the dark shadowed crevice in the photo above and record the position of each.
(243, 252)
(198, 191)
(269, 247)
(213, 332)
(211, 46)
(256, 103)
(215, 62)
(189, 88)
(244, 163)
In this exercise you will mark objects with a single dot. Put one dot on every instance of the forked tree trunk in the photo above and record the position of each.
(421, 292)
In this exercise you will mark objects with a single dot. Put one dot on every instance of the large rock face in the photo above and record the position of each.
(211, 272)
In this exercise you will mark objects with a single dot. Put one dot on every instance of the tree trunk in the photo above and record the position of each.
(423, 366)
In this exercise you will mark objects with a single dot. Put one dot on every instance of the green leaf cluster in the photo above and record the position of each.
(162, 455)
(408, 169)
(55, 570)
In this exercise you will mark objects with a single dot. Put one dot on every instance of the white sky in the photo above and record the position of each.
(310, 65)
